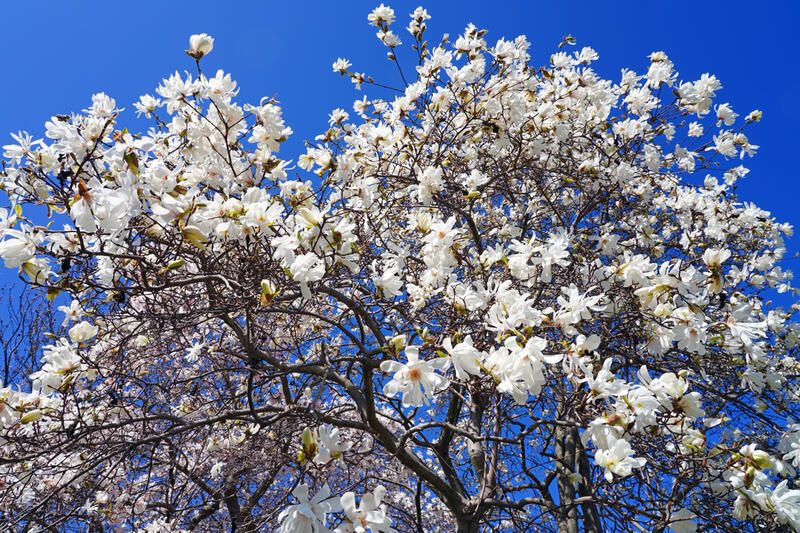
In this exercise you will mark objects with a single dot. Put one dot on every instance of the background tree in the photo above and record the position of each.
(508, 298)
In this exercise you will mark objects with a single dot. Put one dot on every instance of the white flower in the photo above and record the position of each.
(430, 182)
(714, 257)
(329, 447)
(72, 313)
(61, 363)
(370, 515)
(15, 152)
(216, 470)
(576, 306)
(389, 38)
(465, 357)
(725, 115)
(414, 377)
(381, 15)
(309, 515)
(146, 105)
(82, 331)
(341, 65)
(307, 267)
(554, 253)
(605, 384)
(200, 45)
(761, 458)
(695, 130)
(81, 213)
(16, 250)
(785, 503)
(388, 282)
(525, 366)
(754, 116)
(618, 459)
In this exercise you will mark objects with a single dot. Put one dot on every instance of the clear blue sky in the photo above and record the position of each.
(55, 54)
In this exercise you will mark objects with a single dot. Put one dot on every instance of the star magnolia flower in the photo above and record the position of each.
(618, 459)
(81, 210)
(82, 331)
(216, 470)
(713, 258)
(388, 282)
(381, 15)
(465, 357)
(725, 115)
(25, 142)
(310, 514)
(307, 267)
(555, 253)
(60, 361)
(412, 378)
(369, 515)
(754, 116)
(200, 45)
(328, 444)
(605, 384)
(16, 250)
(576, 306)
(786, 504)
(528, 362)
(72, 313)
(341, 65)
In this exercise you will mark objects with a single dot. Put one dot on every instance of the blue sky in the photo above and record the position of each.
(54, 55)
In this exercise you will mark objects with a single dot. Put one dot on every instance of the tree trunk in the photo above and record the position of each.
(566, 446)
(591, 518)
(565, 464)
(467, 525)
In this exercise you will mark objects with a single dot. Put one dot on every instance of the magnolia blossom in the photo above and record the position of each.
(786, 504)
(417, 379)
(307, 267)
(329, 447)
(341, 65)
(309, 514)
(465, 357)
(200, 45)
(369, 515)
(618, 459)
(17, 249)
(72, 312)
(82, 331)
(389, 282)
(713, 258)
(381, 15)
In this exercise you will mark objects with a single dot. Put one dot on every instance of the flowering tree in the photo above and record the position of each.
(505, 298)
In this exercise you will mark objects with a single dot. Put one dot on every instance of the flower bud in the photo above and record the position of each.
(31, 416)
(196, 236)
(749, 476)
(200, 45)
(268, 292)
(309, 445)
